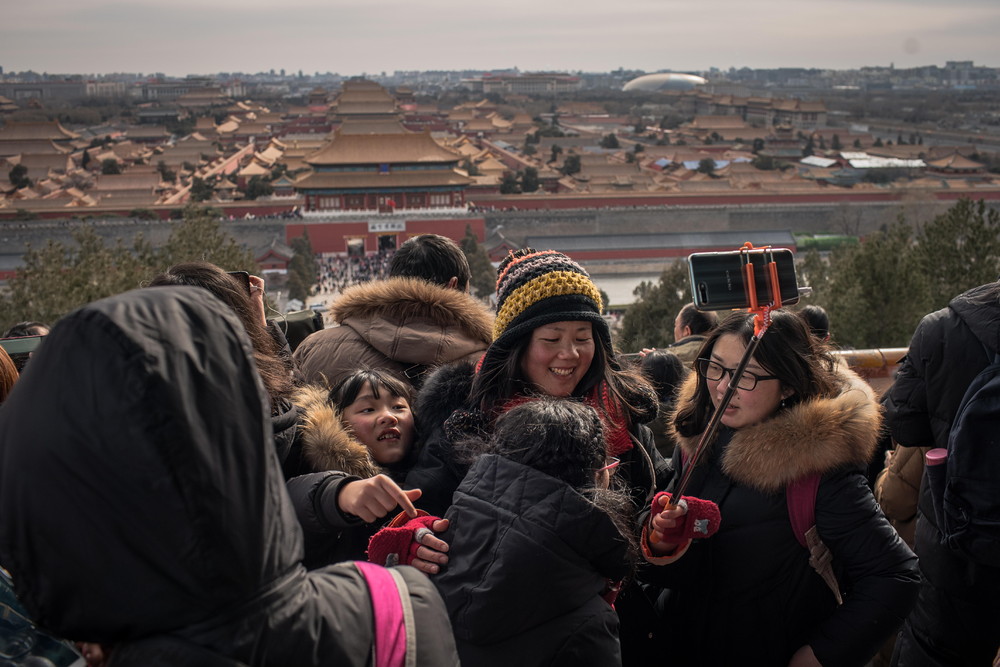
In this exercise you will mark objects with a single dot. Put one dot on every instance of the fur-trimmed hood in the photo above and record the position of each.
(411, 298)
(815, 436)
(326, 443)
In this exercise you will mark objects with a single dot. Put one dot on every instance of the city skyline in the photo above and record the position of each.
(352, 37)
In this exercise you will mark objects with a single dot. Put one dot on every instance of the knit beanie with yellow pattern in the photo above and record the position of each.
(535, 288)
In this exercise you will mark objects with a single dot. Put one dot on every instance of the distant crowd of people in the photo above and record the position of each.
(338, 272)
(435, 482)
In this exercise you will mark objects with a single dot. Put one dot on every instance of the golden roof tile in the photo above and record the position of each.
(345, 149)
(398, 179)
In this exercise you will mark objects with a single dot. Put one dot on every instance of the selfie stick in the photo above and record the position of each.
(762, 320)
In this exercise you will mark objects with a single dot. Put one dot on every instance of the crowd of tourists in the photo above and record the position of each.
(430, 481)
(338, 272)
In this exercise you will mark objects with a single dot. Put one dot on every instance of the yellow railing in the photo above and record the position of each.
(878, 366)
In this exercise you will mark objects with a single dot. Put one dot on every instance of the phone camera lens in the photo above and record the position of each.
(703, 292)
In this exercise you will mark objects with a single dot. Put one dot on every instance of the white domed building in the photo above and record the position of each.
(664, 81)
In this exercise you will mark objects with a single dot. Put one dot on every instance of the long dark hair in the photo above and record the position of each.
(561, 438)
(630, 392)
(274, 370)
(564, 439)
(665, 371)
(787, 350)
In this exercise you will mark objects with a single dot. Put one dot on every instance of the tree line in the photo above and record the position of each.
(57, 278)
(875, 292)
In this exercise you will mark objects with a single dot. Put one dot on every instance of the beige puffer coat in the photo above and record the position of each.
(405, 326)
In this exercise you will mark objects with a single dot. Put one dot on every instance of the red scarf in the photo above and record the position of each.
(616, 435)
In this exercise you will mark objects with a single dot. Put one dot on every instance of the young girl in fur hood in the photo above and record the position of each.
(352, 452)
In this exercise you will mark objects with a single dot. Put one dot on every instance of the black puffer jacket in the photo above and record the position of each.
(529, 561)
(437, 472)
(948, 349)
(748, 595)
(955, 620)
(142, 496)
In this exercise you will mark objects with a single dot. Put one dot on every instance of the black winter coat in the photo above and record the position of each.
(956, 618)
(142, 496)
(748, 595)
(437, 473)
(948, 349)
(529, 561)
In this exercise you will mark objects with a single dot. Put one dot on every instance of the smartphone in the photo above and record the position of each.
(19, 349)
(243, 277)
(20, 345)
(717, 278)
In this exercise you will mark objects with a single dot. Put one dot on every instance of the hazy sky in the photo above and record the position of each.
(371, 36)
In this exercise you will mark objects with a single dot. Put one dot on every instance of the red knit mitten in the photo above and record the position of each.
(394, 544)
(702, 519)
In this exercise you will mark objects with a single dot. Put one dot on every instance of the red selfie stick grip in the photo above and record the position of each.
(656, 536)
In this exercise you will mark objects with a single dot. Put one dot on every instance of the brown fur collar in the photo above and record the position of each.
(407, 298)
(811, 437)
(326, 443)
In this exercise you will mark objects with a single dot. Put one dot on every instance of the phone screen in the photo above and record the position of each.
(717, 278)
(20, 345)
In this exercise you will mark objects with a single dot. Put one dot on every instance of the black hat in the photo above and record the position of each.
(535, 288)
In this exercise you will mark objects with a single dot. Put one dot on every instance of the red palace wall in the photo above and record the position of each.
(333, 236)
(585, 201)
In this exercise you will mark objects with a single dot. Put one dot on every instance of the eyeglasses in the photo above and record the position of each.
(714, 372)
(610, 463)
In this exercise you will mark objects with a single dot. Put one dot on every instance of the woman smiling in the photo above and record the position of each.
(549, 340)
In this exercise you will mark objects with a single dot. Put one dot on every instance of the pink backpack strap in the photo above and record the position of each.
(800, 495)
(395, 639)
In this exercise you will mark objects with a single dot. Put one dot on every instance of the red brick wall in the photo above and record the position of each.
(332, 236)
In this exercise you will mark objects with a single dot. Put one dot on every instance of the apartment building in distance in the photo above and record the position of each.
(539, 83)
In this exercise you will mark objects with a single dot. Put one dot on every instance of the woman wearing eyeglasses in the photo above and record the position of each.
(748, 595)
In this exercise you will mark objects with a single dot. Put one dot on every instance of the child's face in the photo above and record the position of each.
(384, 424)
